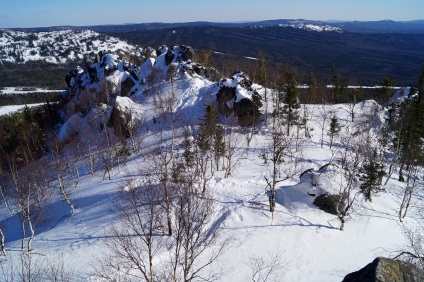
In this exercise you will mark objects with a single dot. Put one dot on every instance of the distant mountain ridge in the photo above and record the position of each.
(384, 26)
(362, 57)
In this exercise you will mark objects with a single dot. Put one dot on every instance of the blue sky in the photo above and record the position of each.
(36, 13)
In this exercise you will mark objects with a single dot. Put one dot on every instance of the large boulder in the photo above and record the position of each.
(328, 203)
(224, 97)
(124, 116)
(169, 57)
(237, 96)
(187, 53)
(209, 73)
(126, 86)
(387, 270)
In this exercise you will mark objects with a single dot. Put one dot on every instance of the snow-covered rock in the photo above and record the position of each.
(238, 95)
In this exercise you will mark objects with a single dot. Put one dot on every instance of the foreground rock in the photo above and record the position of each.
(387, 270)
(328, 203)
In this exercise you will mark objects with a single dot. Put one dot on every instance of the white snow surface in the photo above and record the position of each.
(312, 247)
(26, 90)
(56, 46)
(312, 27)
(4, 110)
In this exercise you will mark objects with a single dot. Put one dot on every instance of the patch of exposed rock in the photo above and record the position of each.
(387, 270)
(237, 96)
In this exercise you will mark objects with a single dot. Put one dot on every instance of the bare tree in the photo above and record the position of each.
(196, 246)
(25, 196)
(204, 168)
(4, 194)
(167, 117)
(161, 170)
(231, 160)
(324, 116)
(134, 243)
(193, 247)
(64, 178)
(350, 158)
(412, 175)
(27, 267)
(413, 251)
(264, 269)
(106, 146)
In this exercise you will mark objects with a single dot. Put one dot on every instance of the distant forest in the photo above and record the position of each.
(361, 58)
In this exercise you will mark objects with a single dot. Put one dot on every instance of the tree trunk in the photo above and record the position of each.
(65, 195)
(342, 222)
(401, 178)
(3, 245)
(32, 233)
(23, 234)
(168, 212)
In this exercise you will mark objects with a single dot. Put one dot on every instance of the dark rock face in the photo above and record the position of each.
(119, 120)
(126, 86)
(308, 176)
(224, 95)
(246, 109)
(328, 203)
(187, 53)
(169, 57)
(209, 73)
(387, 270)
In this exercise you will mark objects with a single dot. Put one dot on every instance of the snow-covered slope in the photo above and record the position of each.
(305, 239)
(4, 110)
(56, 46)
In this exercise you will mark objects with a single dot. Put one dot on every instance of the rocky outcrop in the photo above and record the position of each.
(169, 57)
(209, 73)
(236, 96)
(224, 96)
(387, 270)
(119, 120)
(126, 86)
(187, 53)
(328, 203)
(247, 112)
(124, 116)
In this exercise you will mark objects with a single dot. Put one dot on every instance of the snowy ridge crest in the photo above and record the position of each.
(56, 46)
(312, 27)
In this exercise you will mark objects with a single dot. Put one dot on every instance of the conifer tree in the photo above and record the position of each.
(218, 145)
(262, 76)
(291, 100)
(406, 138)
(188, 154)
(338, 88)
(262, 80)
(385, 91)
(334, 129)
(313, 89)
(372, 177)
(212, 136)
